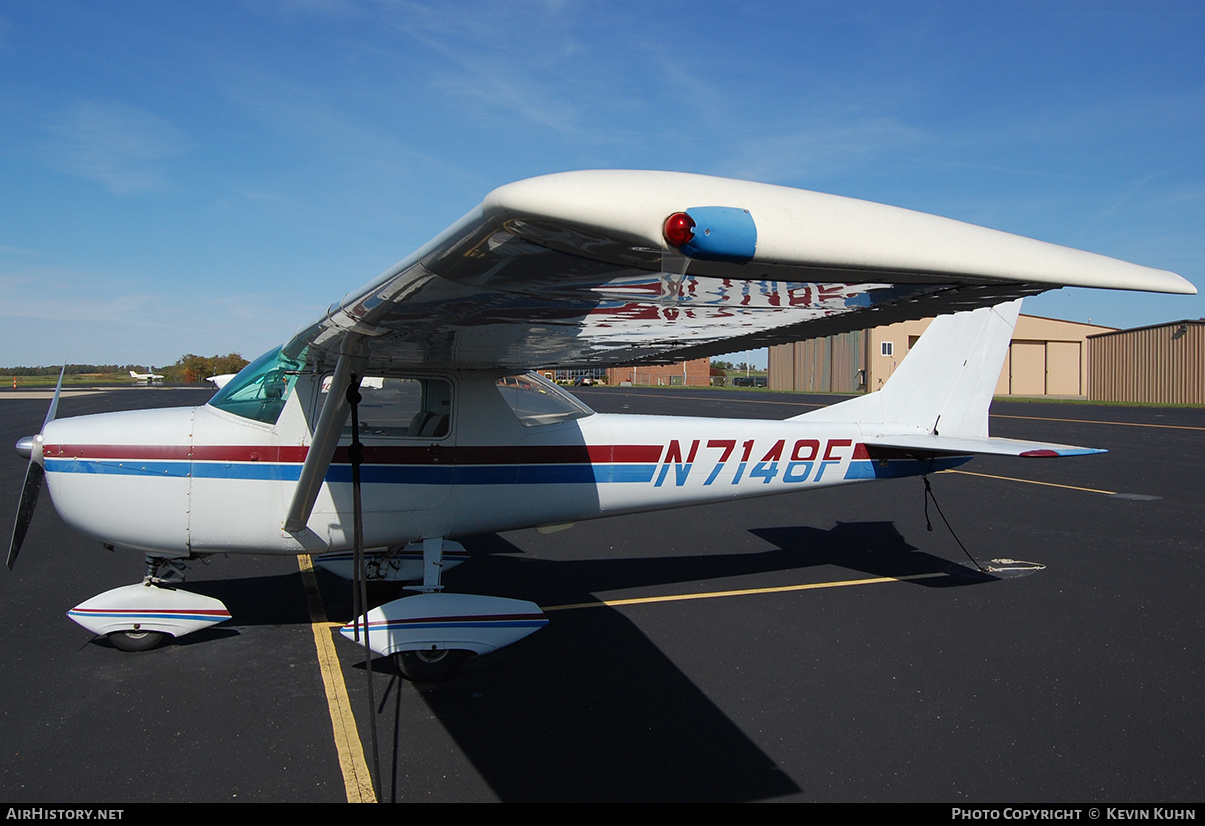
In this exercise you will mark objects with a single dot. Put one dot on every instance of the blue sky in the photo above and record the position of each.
(188, 177)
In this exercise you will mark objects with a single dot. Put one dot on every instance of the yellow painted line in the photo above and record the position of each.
(1098, 421)
(1031, 482)
(611, 603)
(357, 780)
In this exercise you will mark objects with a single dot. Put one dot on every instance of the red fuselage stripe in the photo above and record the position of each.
(432, 453)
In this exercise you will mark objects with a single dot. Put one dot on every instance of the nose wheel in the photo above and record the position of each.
(136, 640)
(430, 666)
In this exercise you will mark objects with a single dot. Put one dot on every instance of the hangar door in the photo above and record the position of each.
(1045, 368)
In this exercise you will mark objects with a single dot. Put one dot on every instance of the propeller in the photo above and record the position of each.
(31, 448)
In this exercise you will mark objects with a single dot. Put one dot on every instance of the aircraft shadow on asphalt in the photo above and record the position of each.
(874, 548)
(590, 708)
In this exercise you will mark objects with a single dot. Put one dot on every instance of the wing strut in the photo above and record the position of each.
(324, 441)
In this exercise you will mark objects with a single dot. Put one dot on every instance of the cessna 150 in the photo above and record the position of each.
(149, 378)
(574, 270)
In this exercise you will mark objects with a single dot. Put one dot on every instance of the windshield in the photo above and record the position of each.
(260, 389)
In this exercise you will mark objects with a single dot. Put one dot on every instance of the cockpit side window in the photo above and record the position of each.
(260, 389)
(397, 408)
(537, 401)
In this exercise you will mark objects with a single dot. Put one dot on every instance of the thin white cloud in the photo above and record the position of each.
(820, 149)
(497, 61)
(326, 131)
(120, 146)
(108, 320)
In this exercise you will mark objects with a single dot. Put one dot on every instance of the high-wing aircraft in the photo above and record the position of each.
(451, 435)
(149, 378)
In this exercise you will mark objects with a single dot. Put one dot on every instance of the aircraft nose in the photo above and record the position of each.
(98, 465)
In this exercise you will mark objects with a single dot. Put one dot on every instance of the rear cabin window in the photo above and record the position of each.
(394, 408)
(537, 401)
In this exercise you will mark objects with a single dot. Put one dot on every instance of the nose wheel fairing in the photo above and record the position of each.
(148, 608)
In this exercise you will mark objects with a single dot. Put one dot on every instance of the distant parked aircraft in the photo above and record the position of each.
(149, 378)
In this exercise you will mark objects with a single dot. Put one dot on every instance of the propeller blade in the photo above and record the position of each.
(34, 474)
(54, 401)
(29, 500)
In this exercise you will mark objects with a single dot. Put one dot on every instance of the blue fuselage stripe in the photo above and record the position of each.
(536, 474)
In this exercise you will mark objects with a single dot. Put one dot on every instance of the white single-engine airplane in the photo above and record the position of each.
(575, 270)
(149, 378)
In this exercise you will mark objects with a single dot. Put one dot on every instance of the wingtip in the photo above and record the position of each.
(1051, 453)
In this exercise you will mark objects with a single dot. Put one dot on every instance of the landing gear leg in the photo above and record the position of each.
(432, 633)
(433, 565)
(434, 664)
(172, 577)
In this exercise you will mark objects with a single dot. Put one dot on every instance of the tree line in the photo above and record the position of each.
(189, 369)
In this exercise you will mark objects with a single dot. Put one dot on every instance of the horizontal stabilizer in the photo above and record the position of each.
(928, 443)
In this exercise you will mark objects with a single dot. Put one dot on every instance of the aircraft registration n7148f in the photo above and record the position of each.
(450, 434)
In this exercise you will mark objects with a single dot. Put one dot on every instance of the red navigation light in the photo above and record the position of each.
(679, 229)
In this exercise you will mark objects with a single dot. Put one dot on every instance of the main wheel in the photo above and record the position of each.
(430, 666)
(136, 640)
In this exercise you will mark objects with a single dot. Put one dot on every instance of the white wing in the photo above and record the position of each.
(573, 270)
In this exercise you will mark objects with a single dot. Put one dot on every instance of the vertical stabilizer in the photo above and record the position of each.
(944, 386)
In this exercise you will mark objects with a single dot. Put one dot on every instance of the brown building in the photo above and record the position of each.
(1047, 357)
(1161, 364)
(833, 364)
(695, 373)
